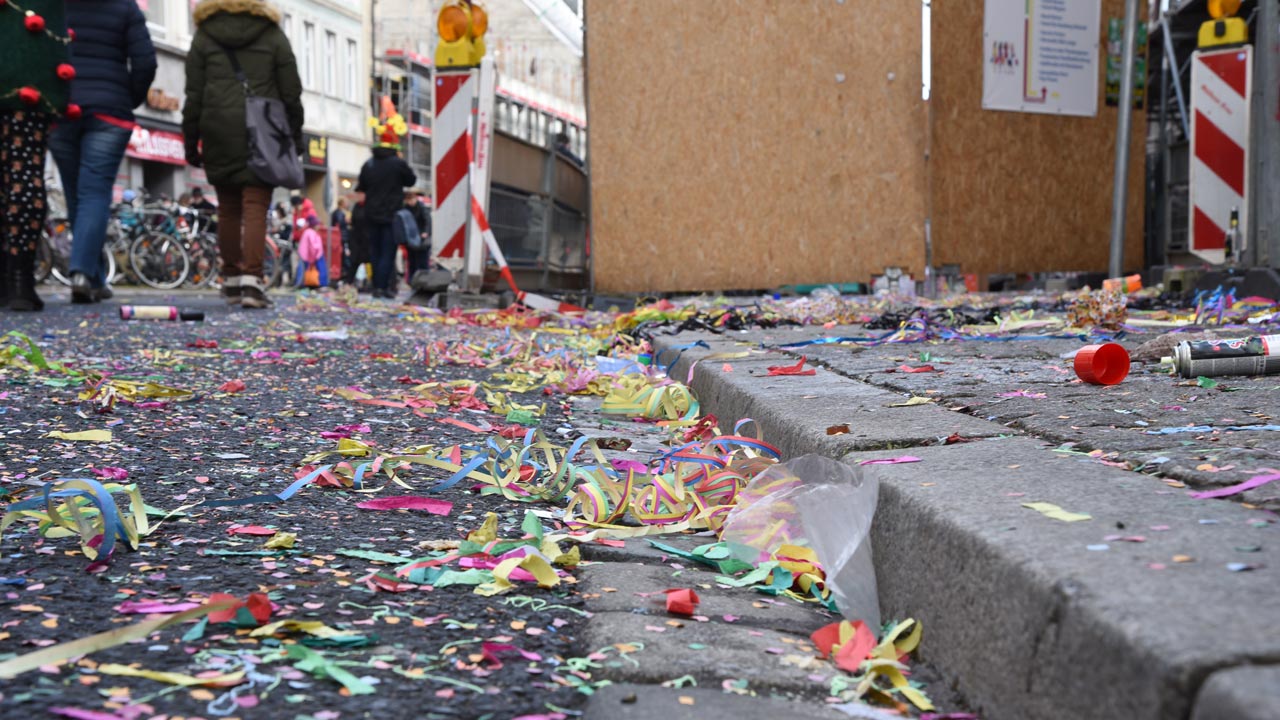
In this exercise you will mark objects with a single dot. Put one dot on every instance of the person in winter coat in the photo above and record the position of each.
(114, 63)
(383, 180)
(303, 211)
(213, 127)
(419, 259)
(358, 243)
(33, 91)
(311, 252)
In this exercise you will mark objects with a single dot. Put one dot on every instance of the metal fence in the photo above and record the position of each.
(519, 224)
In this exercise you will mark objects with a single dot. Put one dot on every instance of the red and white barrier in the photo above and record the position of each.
(1221, 83)
(452, 95)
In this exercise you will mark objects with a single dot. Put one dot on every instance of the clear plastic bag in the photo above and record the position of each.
(814, 502)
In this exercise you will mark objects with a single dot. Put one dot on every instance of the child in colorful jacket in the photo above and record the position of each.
(311, 253)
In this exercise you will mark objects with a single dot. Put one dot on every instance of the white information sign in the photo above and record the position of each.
(1041, 56)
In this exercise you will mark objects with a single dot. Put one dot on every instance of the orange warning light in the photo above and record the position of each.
(1223, 8)
(452, 23)
(461, 25)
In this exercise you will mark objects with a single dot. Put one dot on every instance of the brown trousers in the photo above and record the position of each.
(242, 228)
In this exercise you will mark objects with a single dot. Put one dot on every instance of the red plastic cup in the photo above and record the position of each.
(1105, 364)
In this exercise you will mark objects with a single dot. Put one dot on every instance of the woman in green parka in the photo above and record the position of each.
(34, 88)
(213, 126)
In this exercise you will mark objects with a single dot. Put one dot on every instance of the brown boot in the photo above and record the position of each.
(4, 282)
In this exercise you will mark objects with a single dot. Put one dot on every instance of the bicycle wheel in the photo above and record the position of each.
(44, 258)
(204, 260)
(159, 261)
(272, 267)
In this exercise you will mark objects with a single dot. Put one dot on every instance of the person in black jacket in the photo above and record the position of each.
(114, 63)
(383, 180)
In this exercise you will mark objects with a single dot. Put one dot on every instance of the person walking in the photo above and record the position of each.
(383, 179)
(341, 220)
(213, 127)
(311, 254)
(33, 90)
(114, 63)
(358, 242)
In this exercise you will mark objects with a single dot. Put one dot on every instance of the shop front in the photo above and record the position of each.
(155, 162)
(315, 170)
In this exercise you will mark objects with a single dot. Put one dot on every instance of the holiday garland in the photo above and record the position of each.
(35, 24)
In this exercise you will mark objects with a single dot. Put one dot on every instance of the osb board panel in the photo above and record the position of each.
(1021, 192)
(753, 143)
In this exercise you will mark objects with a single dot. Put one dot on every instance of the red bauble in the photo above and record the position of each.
(34, 22)
(29, 95)
(66, 71)
(74, 112)
(71, 34)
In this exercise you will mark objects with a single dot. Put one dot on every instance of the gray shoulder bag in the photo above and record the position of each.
(272, 155)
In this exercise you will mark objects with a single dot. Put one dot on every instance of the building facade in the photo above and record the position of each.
(330, 40)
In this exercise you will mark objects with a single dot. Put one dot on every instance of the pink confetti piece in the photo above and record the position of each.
(79, 714)
(408, 502)
(1236, 489)
(153, 607)
(892, 461)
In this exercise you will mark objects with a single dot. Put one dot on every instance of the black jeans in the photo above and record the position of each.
(384, 248)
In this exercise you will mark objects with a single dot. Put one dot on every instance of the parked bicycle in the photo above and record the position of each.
(196, 235)
(53, 255)
(156, 255)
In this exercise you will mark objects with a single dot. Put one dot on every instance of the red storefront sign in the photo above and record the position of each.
(158, 145)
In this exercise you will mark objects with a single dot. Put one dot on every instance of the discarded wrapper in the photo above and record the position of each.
(818, 507)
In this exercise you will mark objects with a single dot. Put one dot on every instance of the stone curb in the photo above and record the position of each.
(1031, 617)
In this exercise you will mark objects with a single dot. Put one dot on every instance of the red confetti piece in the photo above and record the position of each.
(792, 369)
(682, 602)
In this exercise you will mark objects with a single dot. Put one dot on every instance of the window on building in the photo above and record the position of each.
(286, 23)
(330, 64)
(308, 56)
(353, 89)
(154, 10)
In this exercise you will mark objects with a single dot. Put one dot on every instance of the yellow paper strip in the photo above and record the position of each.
(83, 435)
(60, 653)
(1050, 510)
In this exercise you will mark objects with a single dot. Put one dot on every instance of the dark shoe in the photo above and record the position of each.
(4, 282)
(231, 290)
(81, 292)
(19, 271)
(252, 295)
(103, 293)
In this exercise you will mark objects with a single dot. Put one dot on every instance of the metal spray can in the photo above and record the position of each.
(1257, 355)
(158, 312)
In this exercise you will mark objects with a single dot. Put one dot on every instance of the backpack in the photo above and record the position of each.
(405, 230)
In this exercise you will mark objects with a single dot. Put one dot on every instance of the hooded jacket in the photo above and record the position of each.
(214, 109)
(113, 56)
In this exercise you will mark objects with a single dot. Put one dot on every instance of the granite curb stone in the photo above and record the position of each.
(1033, 617)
